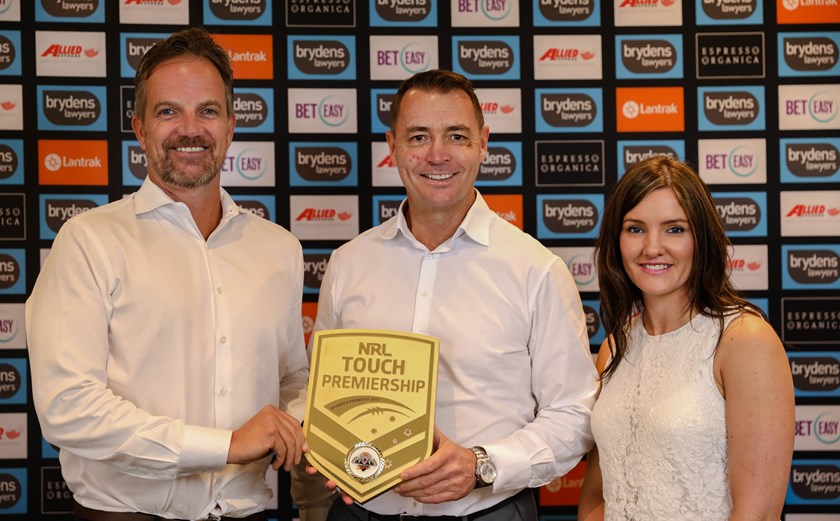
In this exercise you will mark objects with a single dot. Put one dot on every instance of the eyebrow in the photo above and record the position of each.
(669, 221)
(460, 128)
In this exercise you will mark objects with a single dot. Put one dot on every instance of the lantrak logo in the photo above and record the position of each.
(813, 266)
(55, 162)
(322, 163)
(811, 159)
(815, 372)
(740, 161)
(403, 10)
(237, 10)
(810, 53)
(320, 57)
(11, 491)
(648, 56)
(484, 57)
(632, 109)
(730, 107)
(568, 109)
(729, 9)
(70, 108)
(498, 165)
(70, 8)
(251, 109)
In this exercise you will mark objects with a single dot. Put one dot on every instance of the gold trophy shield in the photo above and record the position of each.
(370, 413)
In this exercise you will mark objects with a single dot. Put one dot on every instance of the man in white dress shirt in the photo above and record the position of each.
(516, 382)
(164, 330)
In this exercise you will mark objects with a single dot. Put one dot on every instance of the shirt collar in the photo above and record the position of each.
(151, 197)
(476, 224)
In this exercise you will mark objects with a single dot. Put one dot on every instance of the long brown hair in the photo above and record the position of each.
(710, 290)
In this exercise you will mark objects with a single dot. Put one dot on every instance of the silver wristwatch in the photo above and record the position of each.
(485, 470)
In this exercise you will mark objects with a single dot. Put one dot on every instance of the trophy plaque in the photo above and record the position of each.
(370, 413)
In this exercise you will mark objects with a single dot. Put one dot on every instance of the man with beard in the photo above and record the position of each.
(164, 330)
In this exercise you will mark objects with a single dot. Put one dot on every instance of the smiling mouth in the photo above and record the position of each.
(656, 267)
(438, 177)
(188, 150)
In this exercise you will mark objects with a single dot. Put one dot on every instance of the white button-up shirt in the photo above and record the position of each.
(515, 372)
(150, 345)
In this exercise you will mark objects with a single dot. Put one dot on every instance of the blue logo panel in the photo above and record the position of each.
(739, 107)
(754, 18)
(546, 15)
(77, 108)
(391, 202)
(132, 52)
(56, 209)
(96, 15)
(486, 62)
(631, 152)
(318, 63)
(811, 266)
(744, 214)
(211, 19)
(594, 326)
(813, 482)
(245, 115)
(13, 279)
(10, 58)
(575, 216)
(264, 206)
(323, 164)
(515, 179)
(379, 108)
(553, 118)
(815, 373)
(815, 56)
(650, 64)
(14, 485)
(15, 378)
(11, 176)
(809, 160)
(403, 16)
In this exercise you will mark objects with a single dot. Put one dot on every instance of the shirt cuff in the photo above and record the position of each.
(204, 449)
(515, 462)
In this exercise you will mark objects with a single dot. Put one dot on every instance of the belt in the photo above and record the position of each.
(362, 513)
(89, 514)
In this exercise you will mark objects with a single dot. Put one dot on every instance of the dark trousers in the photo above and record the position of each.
(520, 507)
(81, 513)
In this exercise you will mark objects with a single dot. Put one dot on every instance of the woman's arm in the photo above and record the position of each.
(753, 373)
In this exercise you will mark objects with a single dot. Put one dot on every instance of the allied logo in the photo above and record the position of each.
(730, 55)
(569, 163)
(502, 109)
(70, 53)
(636, 13)
(567, 57)
(810, 213)
(324, 217)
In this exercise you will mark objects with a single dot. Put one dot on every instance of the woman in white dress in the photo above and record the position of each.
(695, 420)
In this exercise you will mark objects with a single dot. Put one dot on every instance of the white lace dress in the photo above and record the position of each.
(660, 427)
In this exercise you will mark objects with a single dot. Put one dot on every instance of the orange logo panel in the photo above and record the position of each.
(650, 109)
(564, 491)
(251, 55)
(508, 207)
(72, 162)
(800, 12)
(309, 310)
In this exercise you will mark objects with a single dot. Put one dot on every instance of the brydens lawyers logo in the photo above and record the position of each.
(238, 10)
(72, 162)
(631, 152)
(741, 213)
(261, 206)
(567, 110)
(12, 371)
(811, 266)
(320, 56)
(134, 47)
(71, 108)
(814, 482)
(730, 107)
(58, 209)
(252, 110)
(322, 163)
(649, 56)
(568, 11)
(808, 53)
(70, 8)
(381, 101)
(487, 56)
(9, 42)
(385, 207)
(498, 166)
(251, 55)
(10, 158)
(569, 216)
(728, 9)
(650, 109)
(12, 491)
(411, 11)
(314, 267)
(815, 374)
(810, 159)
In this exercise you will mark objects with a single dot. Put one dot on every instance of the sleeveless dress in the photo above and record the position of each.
(660, 427)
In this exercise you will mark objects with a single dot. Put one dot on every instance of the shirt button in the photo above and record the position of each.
(224, 391)
(424, 294)
(223, 340)
(219, 290)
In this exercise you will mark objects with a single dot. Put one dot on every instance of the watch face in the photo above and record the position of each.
(487, 472)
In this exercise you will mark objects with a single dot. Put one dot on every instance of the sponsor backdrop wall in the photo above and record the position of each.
(573, 90)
